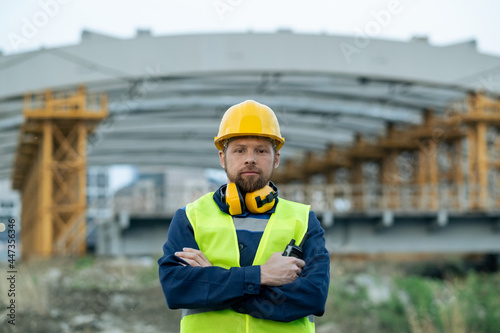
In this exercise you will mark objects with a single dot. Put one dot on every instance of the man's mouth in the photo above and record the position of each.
(249, 173)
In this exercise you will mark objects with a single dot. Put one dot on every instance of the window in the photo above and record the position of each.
(102, 180)
(7, 204)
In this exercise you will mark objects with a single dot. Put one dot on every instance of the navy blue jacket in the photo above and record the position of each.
(239, 287)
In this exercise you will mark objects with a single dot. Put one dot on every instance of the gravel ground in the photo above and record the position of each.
(108, 296)
(123, 295)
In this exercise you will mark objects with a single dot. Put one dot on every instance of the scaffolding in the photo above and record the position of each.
(450, 163)
(50, 170)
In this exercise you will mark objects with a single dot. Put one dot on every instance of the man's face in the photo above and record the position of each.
(249, 162)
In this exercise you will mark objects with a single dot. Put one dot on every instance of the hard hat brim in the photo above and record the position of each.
(219, 141)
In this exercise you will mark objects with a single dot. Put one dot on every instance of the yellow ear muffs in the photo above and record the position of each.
(234, 200)
(261, 200)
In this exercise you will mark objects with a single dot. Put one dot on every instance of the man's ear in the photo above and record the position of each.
(221, 158)
(276, 159)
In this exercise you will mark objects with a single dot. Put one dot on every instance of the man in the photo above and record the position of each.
(223, 261)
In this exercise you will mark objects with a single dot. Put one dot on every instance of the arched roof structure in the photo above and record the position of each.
(167, 94)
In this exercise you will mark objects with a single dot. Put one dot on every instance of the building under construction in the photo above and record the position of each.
(396, 146)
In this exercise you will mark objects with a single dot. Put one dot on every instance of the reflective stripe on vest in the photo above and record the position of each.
(215, 234)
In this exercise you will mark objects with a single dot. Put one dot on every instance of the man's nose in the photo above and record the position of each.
(250, 158)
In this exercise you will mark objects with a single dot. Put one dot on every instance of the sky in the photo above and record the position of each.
(30, 24)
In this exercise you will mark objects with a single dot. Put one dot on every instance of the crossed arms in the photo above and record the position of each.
(283, 289)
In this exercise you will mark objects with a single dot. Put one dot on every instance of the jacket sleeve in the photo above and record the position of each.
(306, 296)
(200, 287)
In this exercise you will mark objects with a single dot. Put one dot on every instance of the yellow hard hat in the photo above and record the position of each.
(249, 118)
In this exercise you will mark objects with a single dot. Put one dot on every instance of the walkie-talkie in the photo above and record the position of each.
(293, 250)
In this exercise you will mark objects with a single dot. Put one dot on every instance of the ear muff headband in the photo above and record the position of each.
(234, 199)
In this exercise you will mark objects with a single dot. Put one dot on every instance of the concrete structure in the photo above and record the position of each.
(421, 233)
(160, 191)
(168, 93)
(99, 202)
(135, 236)
(143, 210)
(348, 235)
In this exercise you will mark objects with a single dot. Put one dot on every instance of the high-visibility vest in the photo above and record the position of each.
(215, 234)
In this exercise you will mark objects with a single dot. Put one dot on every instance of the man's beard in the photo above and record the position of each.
(250, 184)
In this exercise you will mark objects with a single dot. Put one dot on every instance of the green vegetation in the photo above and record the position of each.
(84, 262)
(373, 296)
(411, 303)
(149, 277)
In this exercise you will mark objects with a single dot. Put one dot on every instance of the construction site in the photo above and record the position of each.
(399, 156)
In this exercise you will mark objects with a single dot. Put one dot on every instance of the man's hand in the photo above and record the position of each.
(193, 257)
(280, 270)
